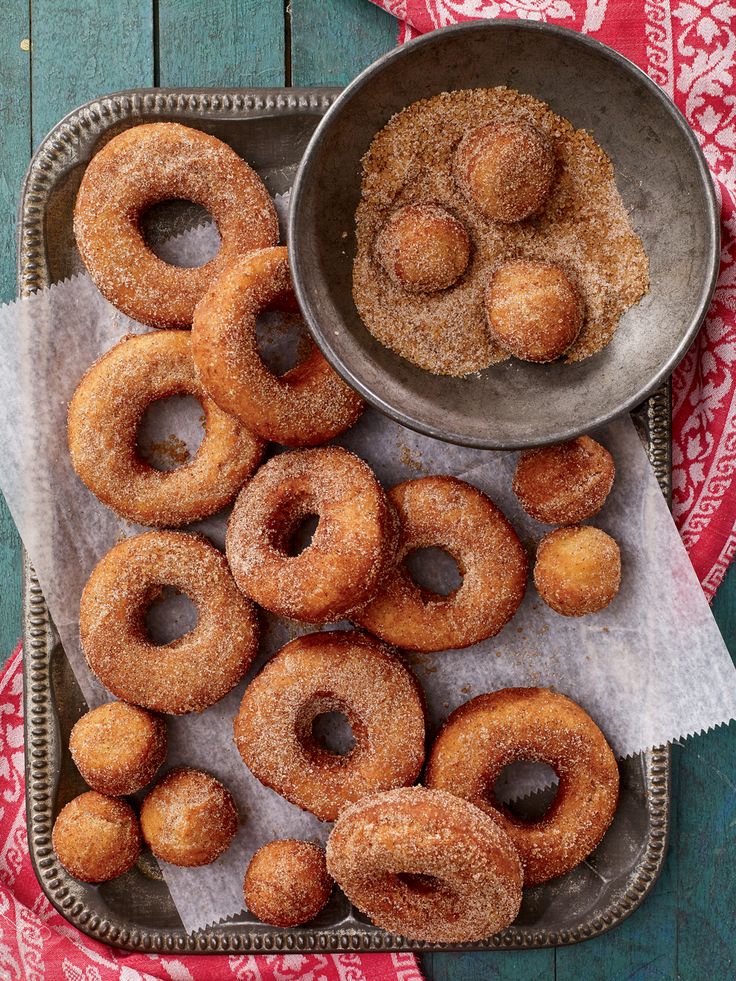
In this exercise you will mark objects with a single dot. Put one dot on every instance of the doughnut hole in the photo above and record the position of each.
(166, 220)
(96, 838)
(566, 483)
(286, 883)
(577, 570)
(434, 570)
(534, 312)
(423, 248)
(157, 441)
(329, 730)
(118, 747)
(170, 615)
(332, 731)
(189, 818)
(505, 170)
(511, 791)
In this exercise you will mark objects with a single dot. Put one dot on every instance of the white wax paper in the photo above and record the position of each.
(651, 668)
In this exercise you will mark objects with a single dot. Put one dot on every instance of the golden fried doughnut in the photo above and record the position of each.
(192, 671)
(533, 724)
(534, 312)
(96, 838)
(423, 248)
(141, 167)
(449, 514)
(577, 570)
(336, 671)
(566, 483)
(351, 549)
(118, 747)
(189, 818)
(286, 882)
(426, 865)
(104, 416)
(505, 169)
(306, 406)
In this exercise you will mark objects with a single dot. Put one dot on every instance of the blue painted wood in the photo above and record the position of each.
(221, 43)
(15, 130)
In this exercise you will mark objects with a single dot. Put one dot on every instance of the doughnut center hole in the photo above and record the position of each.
(300, 536)
(434, 570)
(167, 220)
(332, 733)
(170, 616)
(419, 883)
(282, 340)
(170, 432)
(518, 785)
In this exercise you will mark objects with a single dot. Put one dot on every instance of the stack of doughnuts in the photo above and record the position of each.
(444, 862)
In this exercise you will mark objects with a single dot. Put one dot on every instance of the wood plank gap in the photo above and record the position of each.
(287, 42)
(155, 39)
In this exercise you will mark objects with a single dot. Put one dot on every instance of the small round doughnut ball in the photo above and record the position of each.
(287, 883)
(118, 747)
(566, 483)
(423, 248)
(189, 818)
(96, 838)
(534, 312)
(578, 570)
(505, 169)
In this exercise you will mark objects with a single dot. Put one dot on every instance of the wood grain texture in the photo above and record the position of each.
(221, 43)
(86, 49)
(332, 42)
(15, 127)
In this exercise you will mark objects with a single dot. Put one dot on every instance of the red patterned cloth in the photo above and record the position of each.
(689, 48)
(37, 944)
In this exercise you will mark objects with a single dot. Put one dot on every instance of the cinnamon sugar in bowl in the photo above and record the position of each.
(668, 203)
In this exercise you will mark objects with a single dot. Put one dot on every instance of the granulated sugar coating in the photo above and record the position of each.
(426, 865)
(583, 227)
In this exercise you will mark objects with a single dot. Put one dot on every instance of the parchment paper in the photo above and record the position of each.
(651, 668)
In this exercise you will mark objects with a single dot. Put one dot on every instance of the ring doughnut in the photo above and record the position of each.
(105, 413)
(143, 166)
(336, 671)
(448, 513)
(306, 406)
(487, 733)
(191, 672)
(351, 549)
(426, 865)
(286, 882)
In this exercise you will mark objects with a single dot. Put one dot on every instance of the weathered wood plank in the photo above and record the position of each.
(221, 43)
(332, 42)
(85, 49)
(15, 125)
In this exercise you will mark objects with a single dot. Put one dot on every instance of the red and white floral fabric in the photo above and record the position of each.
(37, 944)
(689, 48)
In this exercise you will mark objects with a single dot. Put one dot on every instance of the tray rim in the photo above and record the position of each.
(42, 742)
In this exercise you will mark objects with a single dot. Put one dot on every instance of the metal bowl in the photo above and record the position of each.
(660, 172)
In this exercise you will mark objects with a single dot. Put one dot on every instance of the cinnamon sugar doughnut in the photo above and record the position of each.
(96, 838)
(143, 166)
(118, 747)
(565, 483)
(286, 882)
(192, 671)
(106, 411)
(485, 734)
(448, 513)
(351, 549)
(189, 818)
(338, 671)
(426, 865)
(308, 404)
(423, 248)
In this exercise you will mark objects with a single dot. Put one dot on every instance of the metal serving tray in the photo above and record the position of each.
(270, 128)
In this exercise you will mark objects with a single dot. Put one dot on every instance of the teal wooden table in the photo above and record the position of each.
(55, 54)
